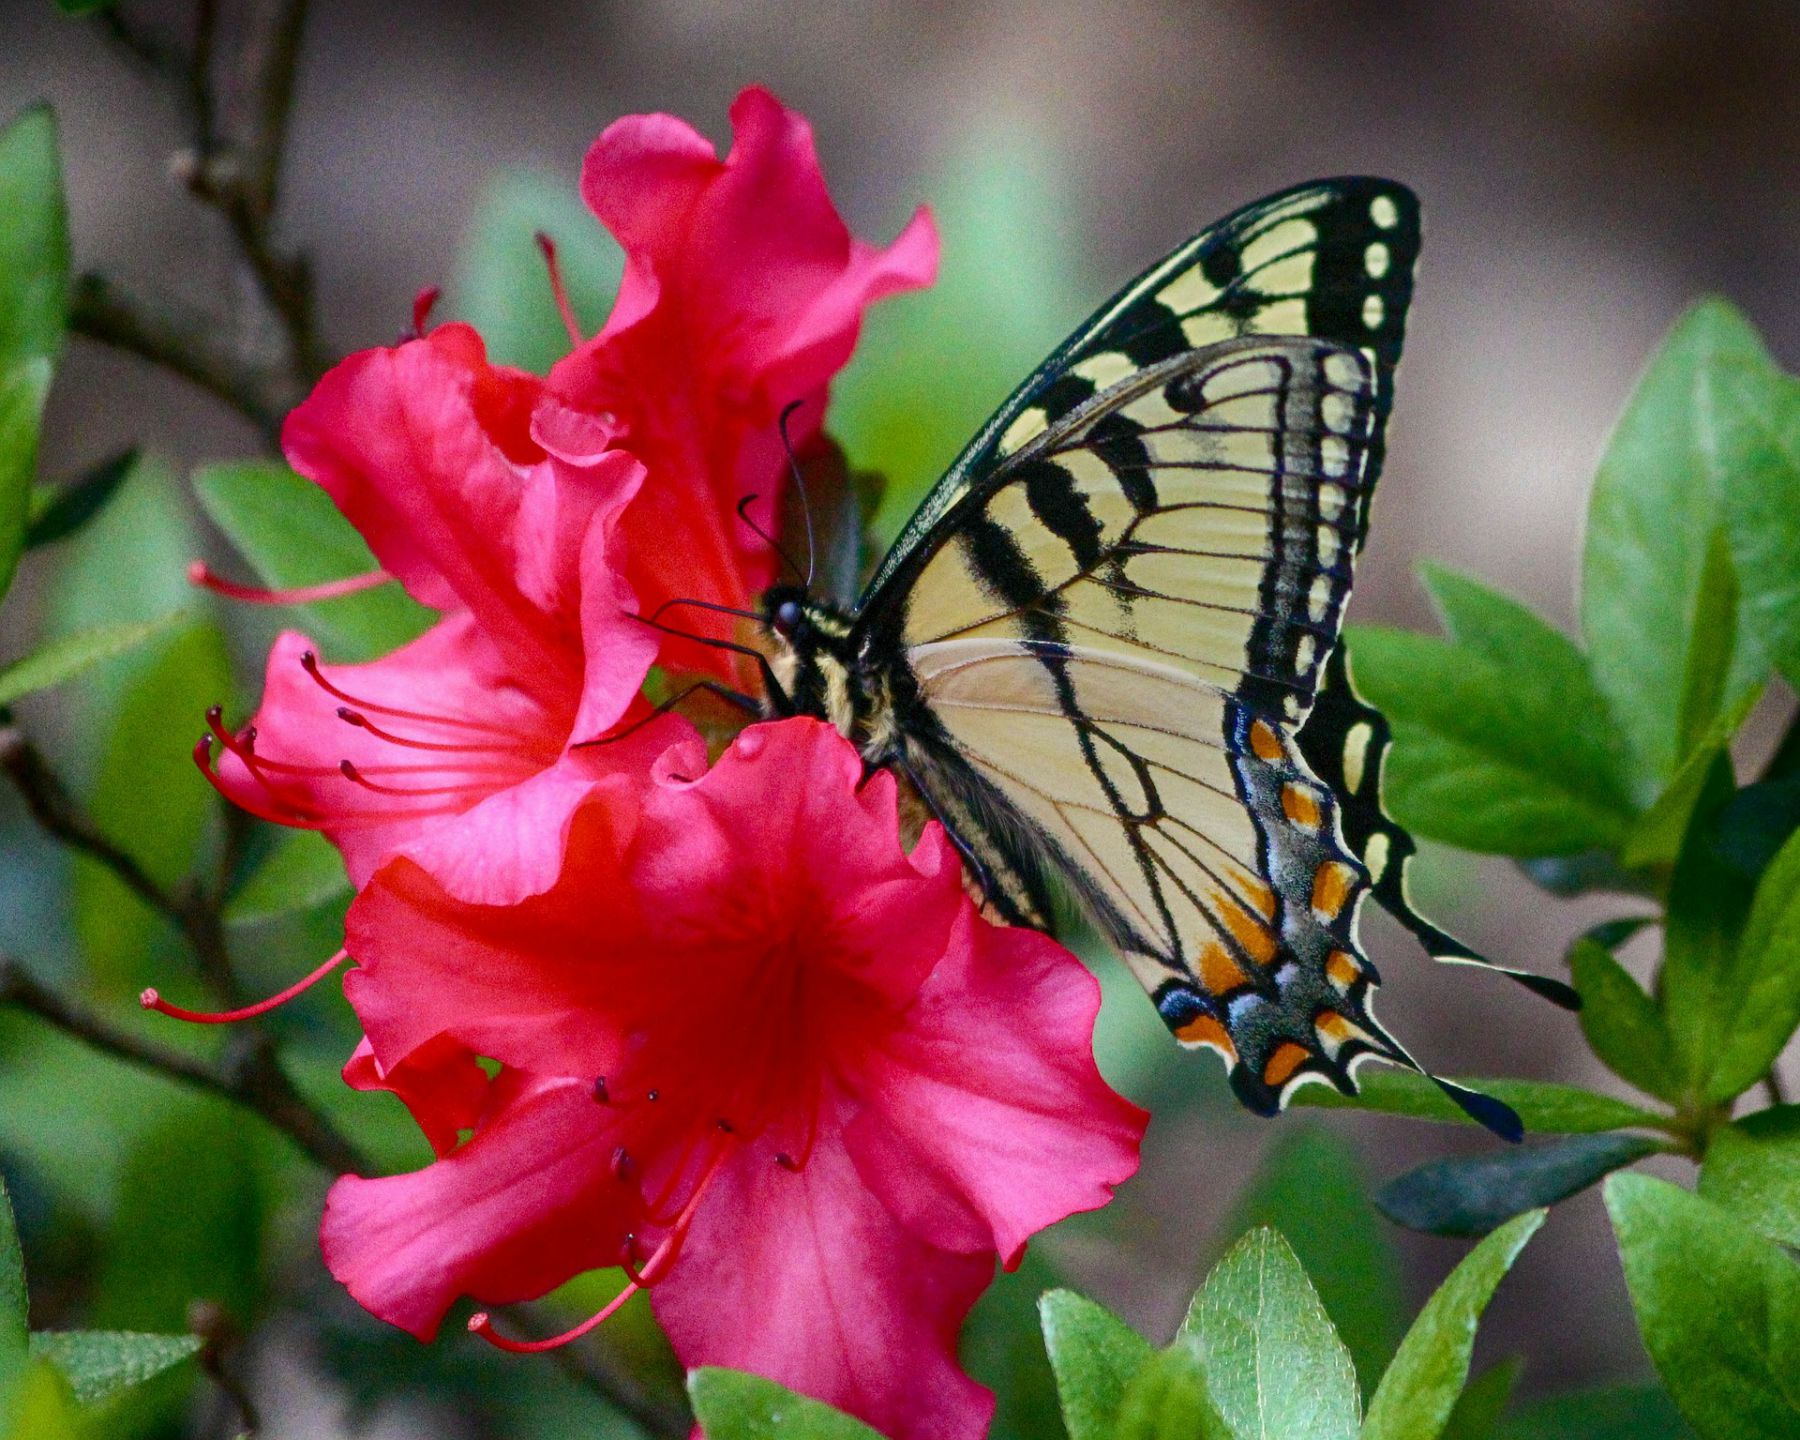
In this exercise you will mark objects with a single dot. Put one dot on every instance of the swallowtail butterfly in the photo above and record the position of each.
(1106, 646)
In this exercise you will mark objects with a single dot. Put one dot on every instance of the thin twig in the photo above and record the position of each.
(184, 340)
(1772, 1085)
(601, 1370)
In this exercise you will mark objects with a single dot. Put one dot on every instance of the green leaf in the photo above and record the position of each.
(1474, 1194)
(1762, 511)
(1756, 822)
(1094, 1354)
(301, 871)
(43, 1408)
(1478, 1409)
(731, 1405)
(1416, 1396)
(13, 1301)
(1489, 754)
(23, 388)
(1168, 1399)
(1752, 1168)
(99, 1363)
(150, 799)
(82, 7)
(1310, 1188)
(1718, 1307)
(292, 534)
(1712, 640)
(65, 658)
(58, 512)
(1274, 1366)
(1765, 980)
(189, 1223)
(1622, 1023)
(501, 285)
(1656, 837)
(1546, 1108)
(1657, 500)
(34, 241)
(1631, 1412)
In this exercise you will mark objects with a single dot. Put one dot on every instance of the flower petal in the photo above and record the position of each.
(986, 1117)
(807, 1279)
(440, 1084)
(521, 1208)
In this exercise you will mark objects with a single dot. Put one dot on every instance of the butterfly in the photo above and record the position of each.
(1106, 647)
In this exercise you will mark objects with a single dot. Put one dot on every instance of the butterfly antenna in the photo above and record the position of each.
(812, 554)
(743, 507)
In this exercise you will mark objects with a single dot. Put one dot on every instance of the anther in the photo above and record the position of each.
(786, 1162)
(151, 1000)
(600, 1091)
(559, 290)
(351, 717)
(620, 1164)
(725, 1127)
(653, 1095)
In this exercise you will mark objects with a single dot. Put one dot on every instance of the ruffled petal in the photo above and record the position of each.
(440, 1084)
(522, 1207)
(806, 1278)
(986, 1117)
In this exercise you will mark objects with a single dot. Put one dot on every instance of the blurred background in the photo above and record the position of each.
(1586, 169)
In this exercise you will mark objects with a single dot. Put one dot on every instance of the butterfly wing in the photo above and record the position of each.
(1106, 656)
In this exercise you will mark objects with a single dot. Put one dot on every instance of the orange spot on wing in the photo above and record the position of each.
(1257, 939)
(1288, 1058)
(1301, 805)
(1204, 1030)
(1331, 888)
(1265, 744)
(1219, 973)
(1333, 1027)
(1341, 968)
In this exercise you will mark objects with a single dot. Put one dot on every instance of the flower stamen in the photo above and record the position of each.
(559, 290)
(199, 573)
(151, 1000)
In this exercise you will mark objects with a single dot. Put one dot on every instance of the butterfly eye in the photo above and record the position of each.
(787, 618)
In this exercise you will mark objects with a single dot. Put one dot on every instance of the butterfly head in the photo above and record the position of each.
(814, 659)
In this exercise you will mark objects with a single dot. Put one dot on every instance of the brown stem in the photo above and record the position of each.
(1772, 1085)
(184, 340)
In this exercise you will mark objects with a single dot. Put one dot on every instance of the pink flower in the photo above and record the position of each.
(743, 293)
(492, 500)
(758, 1053)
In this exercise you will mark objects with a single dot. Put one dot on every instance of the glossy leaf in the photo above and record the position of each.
(1630, 1412)
(100, 1363)
(1489, 754)
(1657, 501)
(291, 533)
(1756, 822)
(1095, 1355)
(1718, 1307)
(58, 512)
(1473, 1194)
(502, 286)
(1310, 1189)
(1753, 1170)
(1476, 1414)
(1712, 642)
(1416, 1396)
(1168, 1399)
(302, 870)
(69, 656)
(150, 799)
(1622, 1023)
(23, 388)
(1274, 1366)
(1765, 980)
(1547, 1108)
(1656, 836)
(1762, 511)
(731, 1405)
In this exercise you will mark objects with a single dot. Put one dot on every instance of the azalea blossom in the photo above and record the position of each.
(743, 294)
(493, 501)
(754, 1051)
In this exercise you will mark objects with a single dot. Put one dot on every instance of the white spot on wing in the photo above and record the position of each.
(1384, 212)
(1373, 312)
(1356, 754)
(1376, 260)
(1028, 426)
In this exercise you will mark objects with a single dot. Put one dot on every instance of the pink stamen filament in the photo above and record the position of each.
(309, 662)
(659, 1264)
(150, 1000)
(279, 811)
(564, 308)
(357, 777)
(199, 574)
(361, 721)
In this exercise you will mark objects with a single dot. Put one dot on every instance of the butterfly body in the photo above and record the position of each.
(1099, 647)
